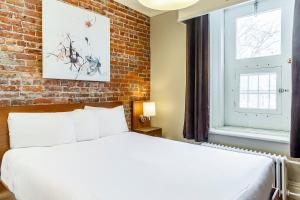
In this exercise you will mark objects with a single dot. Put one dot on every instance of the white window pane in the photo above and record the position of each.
(243, 82)
(273, 103)
(253, 82)
(264, 82)
(264, 101)
(243, 100)
(253, 101)
(273, 79)
(258, 35)
(258, 90)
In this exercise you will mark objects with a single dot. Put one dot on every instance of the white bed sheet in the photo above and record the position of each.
(132, 166)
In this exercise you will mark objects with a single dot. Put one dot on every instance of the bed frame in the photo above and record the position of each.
(4, 111)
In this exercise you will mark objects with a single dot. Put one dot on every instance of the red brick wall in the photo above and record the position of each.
(21, 80)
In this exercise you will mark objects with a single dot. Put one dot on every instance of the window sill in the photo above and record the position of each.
(257, 134)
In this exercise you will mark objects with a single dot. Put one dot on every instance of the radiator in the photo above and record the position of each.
(280, 167)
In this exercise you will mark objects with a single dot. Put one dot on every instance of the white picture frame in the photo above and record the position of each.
(76, 43)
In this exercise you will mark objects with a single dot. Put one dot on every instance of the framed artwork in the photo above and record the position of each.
(76, 43)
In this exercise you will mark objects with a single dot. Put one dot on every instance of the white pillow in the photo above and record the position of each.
(111, 120)
(39, 129)
(86, 124)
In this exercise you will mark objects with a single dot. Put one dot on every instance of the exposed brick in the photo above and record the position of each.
(42, 101)
(15, 2)
(29, 88)
(21, 81)
(4, 102)
(8, 88)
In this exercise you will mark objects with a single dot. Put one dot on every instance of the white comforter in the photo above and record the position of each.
(132, 166)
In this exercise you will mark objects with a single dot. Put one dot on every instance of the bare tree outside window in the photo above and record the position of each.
(258, 35)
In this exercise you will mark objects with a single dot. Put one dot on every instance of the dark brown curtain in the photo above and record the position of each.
(196, 122)
(295, 123)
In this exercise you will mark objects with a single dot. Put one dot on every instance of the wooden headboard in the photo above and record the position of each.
(4, 111)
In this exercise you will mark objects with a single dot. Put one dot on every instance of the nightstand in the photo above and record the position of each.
(5, 194)
(152, 131)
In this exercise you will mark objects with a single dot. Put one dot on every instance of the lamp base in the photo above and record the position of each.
(143, 119)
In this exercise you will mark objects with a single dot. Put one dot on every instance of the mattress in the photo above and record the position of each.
(131, 166)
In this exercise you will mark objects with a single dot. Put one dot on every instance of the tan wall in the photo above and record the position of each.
(168, 72)
(204, 7)
(168, 57)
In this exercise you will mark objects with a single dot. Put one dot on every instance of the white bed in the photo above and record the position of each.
(131, 166)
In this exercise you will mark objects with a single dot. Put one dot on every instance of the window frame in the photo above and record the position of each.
(218, 72)
(278, 71)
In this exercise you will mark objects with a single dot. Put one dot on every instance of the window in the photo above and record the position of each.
(257, 90)
(251, 76)
(258, 35)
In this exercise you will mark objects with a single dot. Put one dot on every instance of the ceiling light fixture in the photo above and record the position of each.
(167, 4)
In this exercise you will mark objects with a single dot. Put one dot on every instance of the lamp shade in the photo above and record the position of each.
(167, 4)
(149, 109)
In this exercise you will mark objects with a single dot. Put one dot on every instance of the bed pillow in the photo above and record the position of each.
(85, 123)
(111, 120)
(40, 129)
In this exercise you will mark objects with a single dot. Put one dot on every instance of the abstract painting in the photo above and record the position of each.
(76, 43)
